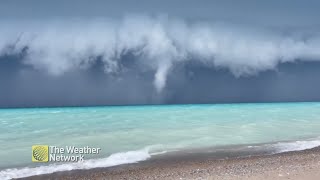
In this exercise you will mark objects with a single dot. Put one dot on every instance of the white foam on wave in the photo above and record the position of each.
(296, 145)
(112, 160)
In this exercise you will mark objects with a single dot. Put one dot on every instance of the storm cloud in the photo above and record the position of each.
(157, 43)
(147, 58)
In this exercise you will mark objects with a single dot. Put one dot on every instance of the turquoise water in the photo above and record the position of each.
(134, 133)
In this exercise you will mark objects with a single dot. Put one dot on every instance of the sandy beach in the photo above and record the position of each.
(290, 165)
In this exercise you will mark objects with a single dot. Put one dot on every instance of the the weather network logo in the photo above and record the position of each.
(40, 153)
(45, 153)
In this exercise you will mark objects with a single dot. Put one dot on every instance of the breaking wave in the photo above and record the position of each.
(112, 160)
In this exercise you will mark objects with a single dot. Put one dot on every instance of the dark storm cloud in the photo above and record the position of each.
(289, 82)
(23, 86)
(188, 83)
(117, 52)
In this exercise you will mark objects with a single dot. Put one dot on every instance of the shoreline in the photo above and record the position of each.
(303, 164)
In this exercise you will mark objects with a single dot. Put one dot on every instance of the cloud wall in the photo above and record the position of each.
(157, 43)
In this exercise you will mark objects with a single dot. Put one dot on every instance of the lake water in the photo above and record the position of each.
(129, 134)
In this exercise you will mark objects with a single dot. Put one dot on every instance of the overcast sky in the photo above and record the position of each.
(272, 12)
(76, 53)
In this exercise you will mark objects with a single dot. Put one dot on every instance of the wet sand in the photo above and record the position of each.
(299, 165)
